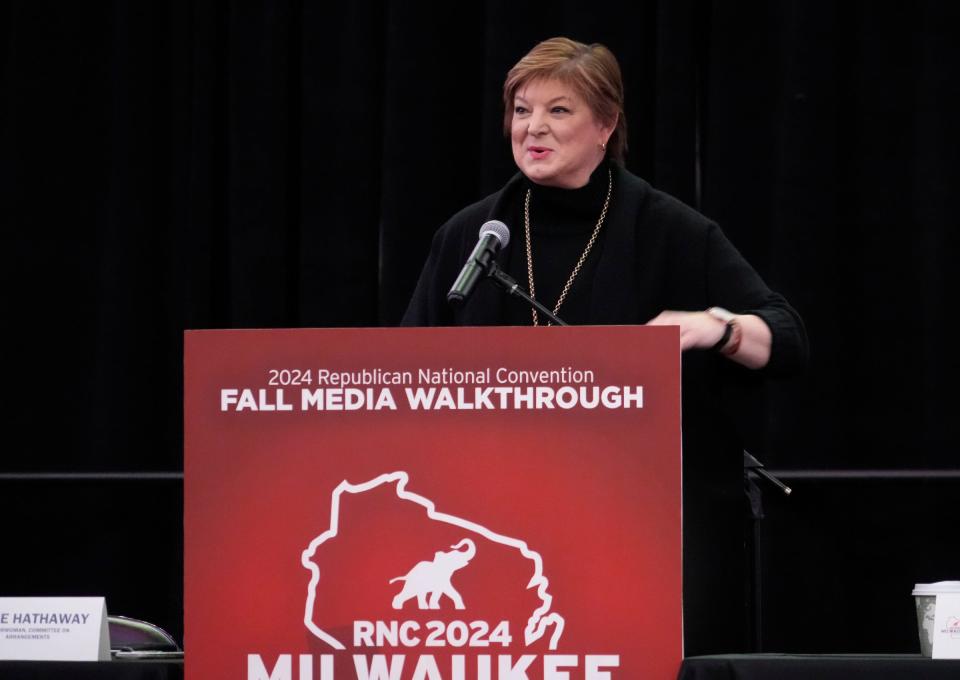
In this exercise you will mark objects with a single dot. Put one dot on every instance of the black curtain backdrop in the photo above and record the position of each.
(175, 165)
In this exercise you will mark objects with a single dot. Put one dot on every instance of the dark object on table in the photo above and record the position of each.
(132, 638)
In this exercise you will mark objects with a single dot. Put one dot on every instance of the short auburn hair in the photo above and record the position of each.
(591, 70)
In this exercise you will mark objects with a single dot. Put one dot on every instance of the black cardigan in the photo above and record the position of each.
(658, 254)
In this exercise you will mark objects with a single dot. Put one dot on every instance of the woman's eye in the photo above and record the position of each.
(519, 109)
(560, 109)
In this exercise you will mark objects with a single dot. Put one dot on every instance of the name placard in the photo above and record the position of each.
(54, 629)
(946, 627)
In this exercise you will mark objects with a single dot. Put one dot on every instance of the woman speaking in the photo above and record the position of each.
(598, 245)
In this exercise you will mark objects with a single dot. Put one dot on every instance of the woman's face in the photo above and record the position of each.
(555, 137)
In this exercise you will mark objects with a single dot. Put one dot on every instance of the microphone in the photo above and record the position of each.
(494, 235)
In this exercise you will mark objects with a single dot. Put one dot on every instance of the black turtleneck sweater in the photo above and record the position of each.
(561, 223)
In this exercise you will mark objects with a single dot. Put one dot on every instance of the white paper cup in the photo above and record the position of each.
(925, 597)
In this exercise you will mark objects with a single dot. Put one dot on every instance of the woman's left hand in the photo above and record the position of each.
(699, 330)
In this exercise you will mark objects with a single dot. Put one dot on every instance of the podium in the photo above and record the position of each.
(451, 503)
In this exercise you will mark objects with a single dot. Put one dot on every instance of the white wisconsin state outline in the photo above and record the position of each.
(536, 624)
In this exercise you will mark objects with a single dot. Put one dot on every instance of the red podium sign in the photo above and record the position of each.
(427, 504)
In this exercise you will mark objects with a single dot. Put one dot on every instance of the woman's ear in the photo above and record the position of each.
(606, 130)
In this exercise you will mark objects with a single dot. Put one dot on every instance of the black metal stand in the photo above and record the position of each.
(753, 472)
(513, 288)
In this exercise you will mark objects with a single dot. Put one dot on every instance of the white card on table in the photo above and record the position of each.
(54, 629)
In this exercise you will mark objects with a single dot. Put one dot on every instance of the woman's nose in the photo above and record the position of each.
(538, 124)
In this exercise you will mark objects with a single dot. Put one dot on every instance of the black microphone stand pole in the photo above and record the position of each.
(753, 470)
(513, 288)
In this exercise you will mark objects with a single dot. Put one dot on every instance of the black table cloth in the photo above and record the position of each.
(91, 670)
(820, 667)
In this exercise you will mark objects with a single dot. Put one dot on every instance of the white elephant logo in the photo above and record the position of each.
(433, 577)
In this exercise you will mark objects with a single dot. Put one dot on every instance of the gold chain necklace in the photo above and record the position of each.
(583, 258)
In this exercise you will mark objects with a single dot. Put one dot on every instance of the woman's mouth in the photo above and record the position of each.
(538, 153)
